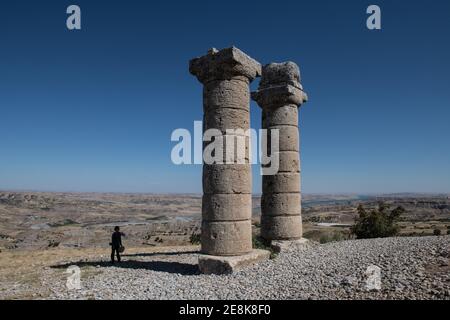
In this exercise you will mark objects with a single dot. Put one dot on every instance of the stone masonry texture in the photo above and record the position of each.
(227, 187)
(279, 95)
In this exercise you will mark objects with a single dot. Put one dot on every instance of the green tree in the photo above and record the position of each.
(378, 222)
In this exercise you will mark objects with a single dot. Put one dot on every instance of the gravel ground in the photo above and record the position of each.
(411, 268)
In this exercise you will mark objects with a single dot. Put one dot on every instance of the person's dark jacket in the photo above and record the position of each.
(116, 239)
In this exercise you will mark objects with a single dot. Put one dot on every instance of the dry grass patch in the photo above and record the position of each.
(22, 271)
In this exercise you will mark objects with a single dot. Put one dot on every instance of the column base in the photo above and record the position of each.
(279, 246)
(227, 265)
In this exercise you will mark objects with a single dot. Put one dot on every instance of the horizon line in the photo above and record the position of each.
(345, 193)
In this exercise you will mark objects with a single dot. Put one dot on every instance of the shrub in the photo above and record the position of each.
(53, 243)
(333, 237)
(195, 238)
(377, 223)
(260, 243)
(437, 232)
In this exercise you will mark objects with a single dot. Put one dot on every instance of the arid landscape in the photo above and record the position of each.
(85, 220)
(43, 233)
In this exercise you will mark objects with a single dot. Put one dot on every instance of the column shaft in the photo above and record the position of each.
(227, 186)
(279, 96)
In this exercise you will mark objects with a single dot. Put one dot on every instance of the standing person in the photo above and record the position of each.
(116, 243)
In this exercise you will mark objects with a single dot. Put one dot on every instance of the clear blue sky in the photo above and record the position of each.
(93, 110)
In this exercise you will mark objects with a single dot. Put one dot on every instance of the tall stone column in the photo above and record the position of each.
(279, 95)
(227, 187)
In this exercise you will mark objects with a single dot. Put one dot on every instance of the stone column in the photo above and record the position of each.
(279, 95)
(227, 199)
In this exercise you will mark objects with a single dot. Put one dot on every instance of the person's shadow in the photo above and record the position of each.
(160, 266)
(150, 254)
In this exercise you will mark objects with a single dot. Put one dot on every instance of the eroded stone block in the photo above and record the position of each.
(209, 264)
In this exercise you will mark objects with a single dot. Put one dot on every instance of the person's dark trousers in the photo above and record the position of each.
(116, 251)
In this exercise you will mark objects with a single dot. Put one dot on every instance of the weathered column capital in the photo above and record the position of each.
(280, 85)
(224, 65)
